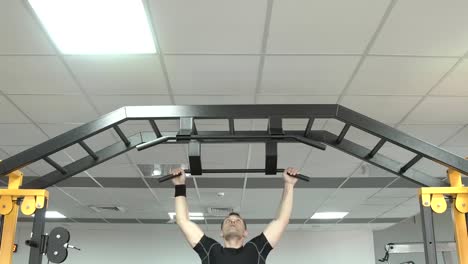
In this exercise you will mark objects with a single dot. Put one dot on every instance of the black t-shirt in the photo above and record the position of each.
(253, 252)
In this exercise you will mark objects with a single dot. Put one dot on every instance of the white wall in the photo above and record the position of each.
(411, 231)
(150, 244)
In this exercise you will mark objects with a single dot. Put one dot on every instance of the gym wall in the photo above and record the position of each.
(150, 244)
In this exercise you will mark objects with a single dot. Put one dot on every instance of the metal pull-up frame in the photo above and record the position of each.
(274, 134)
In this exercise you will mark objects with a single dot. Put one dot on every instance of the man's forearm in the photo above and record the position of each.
(286, 205)
(181, 208)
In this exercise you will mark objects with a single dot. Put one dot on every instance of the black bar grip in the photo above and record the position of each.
(301, 177)
(167, 177)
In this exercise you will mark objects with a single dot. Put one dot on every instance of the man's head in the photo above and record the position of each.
(233, 226)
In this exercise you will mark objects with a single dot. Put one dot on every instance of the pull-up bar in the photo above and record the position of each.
(170, 176)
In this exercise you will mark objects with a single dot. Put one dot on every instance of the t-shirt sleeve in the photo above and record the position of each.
(204, 246)
(262, 244)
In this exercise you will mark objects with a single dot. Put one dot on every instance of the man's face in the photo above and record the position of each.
(233, 227)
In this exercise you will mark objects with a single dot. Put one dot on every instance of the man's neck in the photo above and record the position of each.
(234, 243)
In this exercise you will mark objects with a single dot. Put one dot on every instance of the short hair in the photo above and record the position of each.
(236, 214)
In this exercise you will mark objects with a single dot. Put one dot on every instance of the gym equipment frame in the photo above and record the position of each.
(274, 134)
(446, 248)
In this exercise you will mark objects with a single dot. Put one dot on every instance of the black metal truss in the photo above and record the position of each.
(188, 134)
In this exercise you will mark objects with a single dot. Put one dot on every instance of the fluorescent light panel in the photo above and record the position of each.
(96, 26)
(329, 215)
(192, 216)
(53, 214)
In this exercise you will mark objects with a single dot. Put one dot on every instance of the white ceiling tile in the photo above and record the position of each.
(397, 192)
(350, 227)
(329, 169)
(440, 110)
(376, 107)
(399, 75)
(58, 198)
(3, 154)
(20, 134)
(20, 33)
(132, 129)
(431, 168)
(10, 114)
(455, 84)
(53, 130)
(130, 197)
(413, 202)
(221, 156)
(213, 99)
(305, 26)
(307, 201)
(369, 170)
(292, 155)
(221, 75)
(59, 201)
(368, 211)
(401, 212)
(331, 156)
(433, 134)
(108, 103)
(143, 211)
(296, 99)
(312, 75)
(212, 124)
(260, 203)
(461, 139)
(385, 200)
(346, 199)
(114, 170)
(55, 108)
(209, 26)
(354, 194)
(439, 30)
(92, 196)
(35, 75)
(125, 74)
(231, 198)
(161, 154)
(381, 226)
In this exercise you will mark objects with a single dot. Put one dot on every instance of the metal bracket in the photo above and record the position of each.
(275, 127)
(194, 153)
(186, 128)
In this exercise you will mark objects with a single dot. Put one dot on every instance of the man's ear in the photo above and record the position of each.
(246, 233)
(221, 234)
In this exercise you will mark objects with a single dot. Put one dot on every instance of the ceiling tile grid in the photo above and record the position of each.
(224, 52)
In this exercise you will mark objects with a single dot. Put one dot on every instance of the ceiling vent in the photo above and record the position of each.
(107, 208)
(219, 211)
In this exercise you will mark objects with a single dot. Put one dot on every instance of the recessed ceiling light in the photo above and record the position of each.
(96, 26)
(329, 215)
(192, 216)
(53, 214)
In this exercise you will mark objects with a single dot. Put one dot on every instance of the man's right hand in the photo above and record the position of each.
(179, 179)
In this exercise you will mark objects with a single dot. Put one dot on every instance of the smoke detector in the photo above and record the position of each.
(107, 208)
